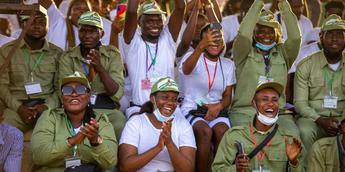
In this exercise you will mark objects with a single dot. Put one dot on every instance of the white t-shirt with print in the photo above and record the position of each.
(137, 65)
(140, 133)
(196, 84)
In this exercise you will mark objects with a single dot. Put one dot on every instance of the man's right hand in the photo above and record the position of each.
(242, 162)
(27, 114)
(329, 124)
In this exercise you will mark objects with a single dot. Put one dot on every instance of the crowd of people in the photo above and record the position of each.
(199, 85)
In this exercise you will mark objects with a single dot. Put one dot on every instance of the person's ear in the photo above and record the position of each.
(101, 33)
(253, 103)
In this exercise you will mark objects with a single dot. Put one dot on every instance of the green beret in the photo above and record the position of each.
(149, 7)
(164, 84)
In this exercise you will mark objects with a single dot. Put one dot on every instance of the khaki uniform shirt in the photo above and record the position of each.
(275, 158)
(310, 87)
(250, 63)
(111, 60)
(12, 82)
(324, 156)
(49, 146)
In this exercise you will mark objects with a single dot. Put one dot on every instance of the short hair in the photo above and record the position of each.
(334, 4)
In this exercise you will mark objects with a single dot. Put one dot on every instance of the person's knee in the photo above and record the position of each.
(202, 130)
(220, 129)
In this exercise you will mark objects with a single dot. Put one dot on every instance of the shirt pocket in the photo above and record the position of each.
(17, 74)
(278, 69)
(317, 87)
(277, 159)
(45, 73)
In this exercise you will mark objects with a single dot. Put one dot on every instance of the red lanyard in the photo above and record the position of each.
(210, 82)
(262, 155)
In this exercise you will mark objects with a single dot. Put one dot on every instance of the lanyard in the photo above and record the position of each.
(210, 81)
(85, 69)
(153, 57)
(340, 154)
(72, 132)
(267, 65)
(37, 62)
(262, 155)
(330, 80)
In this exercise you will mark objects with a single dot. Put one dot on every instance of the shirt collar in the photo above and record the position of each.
(324, 62)
(45, 47)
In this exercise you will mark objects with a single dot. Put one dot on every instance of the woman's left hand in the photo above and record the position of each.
(293, 149)
(213, 111)
(90, 130)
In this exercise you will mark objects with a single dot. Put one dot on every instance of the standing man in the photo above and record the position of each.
(151, 49)
(277, 147)
(101, 64)
(29, 84)
(319, 85)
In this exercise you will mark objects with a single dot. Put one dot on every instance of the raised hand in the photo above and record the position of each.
(292, 149)
(95, 57)
(90, 130)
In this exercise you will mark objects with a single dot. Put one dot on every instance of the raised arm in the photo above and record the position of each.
(243, 41)
(176, 18)
(131, 21)
(212, 11)
(189, 32)
(292, 45)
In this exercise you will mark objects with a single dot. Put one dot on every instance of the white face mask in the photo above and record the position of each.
(159, 115)
(266, 120)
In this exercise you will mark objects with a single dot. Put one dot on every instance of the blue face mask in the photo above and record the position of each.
(265, 47)
(159, 115)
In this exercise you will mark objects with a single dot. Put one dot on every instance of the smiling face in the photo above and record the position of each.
(333, 41)
(166, 102)
(90, 35)
(213, 51)
(151, 25)
(75, 103)
(266, 102)
(264, 34)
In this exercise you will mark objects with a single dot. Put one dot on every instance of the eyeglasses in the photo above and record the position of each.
(68, 90)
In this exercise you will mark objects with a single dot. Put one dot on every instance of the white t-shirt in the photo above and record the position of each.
(196, 84)
(305, 51)
(63, 7)
(305, 26)
(140, 133)
(230, 26)
(58, 29)
(4, 39)
(137, 65)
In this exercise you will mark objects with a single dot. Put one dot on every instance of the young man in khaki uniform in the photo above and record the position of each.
(29, 84)
(319, 85)
(101, 64)
(284, 148)
(327, 154)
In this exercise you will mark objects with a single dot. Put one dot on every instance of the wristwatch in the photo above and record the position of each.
(98, 142)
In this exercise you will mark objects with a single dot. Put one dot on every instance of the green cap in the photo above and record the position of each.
(333, 22)
(91, 18)
(42, 11)
(274, 85)
(266, 18)
(76, 77)
(149, 7)
(165, 84)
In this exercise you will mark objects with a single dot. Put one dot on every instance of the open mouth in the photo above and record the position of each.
(74, 102)
(270, 113)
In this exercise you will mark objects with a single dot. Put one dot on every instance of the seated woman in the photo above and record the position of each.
(208, 80)
(158, 139)
(75, 134)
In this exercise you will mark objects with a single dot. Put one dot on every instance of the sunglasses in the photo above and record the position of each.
(68, 90)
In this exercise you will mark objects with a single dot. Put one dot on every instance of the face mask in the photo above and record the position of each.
(267, 120)
(265, 47)
(159, 115)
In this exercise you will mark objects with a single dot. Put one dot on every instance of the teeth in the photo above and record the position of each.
(168, 109)
(75, 101)
(269, 110)
(154, 30)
